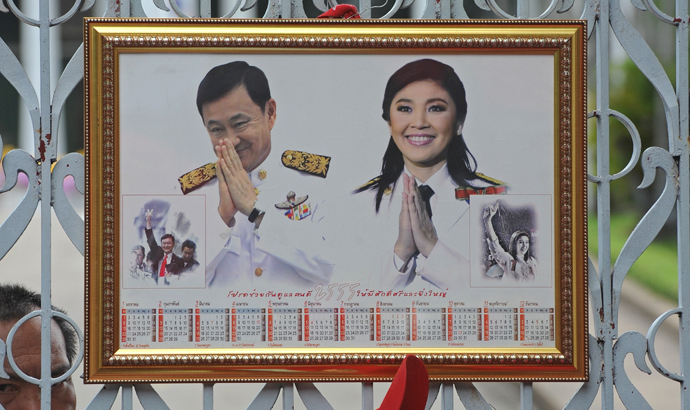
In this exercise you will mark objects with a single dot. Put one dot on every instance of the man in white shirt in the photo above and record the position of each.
(266, 246)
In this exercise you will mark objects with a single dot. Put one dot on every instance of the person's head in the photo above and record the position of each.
(425, 107)
(520, 245)
(234, 101)
(188, 249)
(149, 260)
(426, 70)
(16, 301)
(138, 252)
(167, 243)
(422, 124)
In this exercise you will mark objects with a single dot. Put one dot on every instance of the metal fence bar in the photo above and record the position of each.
(603, 197)
(208, 396)
(683, 203)
(447, 396)
(289, 396)
(46, 159)
(526, 394)
(127, 397)
(367, 396)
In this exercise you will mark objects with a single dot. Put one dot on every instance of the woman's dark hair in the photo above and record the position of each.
(421, 70)
(513, 244)
(461, 163)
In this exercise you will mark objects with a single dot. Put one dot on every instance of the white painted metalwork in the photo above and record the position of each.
(608, 349)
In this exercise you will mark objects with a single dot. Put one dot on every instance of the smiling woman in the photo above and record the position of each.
(426, 176)
(518, 262)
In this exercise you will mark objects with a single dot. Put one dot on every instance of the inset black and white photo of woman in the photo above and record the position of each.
(509, 250)
(513, 259)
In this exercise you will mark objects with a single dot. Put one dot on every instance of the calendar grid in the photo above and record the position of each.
(284, 324)
(138, 325)
(332, 326)
(392, 324)
(321, 324)
(248, 325)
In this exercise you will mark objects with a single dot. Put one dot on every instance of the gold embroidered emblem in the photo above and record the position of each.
(492, 180)
(256, 191)
(292, 201)
(262, 174)
(368, 185)
(387, 191)
(197, 178)
(303, 161)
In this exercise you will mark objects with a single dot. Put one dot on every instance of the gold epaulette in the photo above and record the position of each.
(197, 178)
(372, 182)
(489, 179)
(303, 161)
(368, 184)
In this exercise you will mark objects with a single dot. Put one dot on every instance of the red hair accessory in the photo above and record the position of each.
(410, 387)
(341, 11)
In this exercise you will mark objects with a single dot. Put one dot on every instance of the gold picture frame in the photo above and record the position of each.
(525, 85)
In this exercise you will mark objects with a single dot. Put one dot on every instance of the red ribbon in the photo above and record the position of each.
(341, 11)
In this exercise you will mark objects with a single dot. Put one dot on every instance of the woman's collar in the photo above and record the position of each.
(436, 181)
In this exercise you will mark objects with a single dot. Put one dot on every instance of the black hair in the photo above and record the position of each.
(222, 79)
(167, 235)
(461, 163)
(17, 301)
(188, 244)
(426, 69)
(512, 249)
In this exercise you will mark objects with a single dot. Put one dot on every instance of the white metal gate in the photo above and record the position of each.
(611, 35)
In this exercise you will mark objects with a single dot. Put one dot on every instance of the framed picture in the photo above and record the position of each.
(314, 200)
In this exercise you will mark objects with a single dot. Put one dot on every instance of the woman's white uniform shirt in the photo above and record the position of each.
(446, 267)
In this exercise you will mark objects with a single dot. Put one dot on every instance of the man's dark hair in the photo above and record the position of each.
(166, 236)
(189, 244)
(17, 301)
(227, 77)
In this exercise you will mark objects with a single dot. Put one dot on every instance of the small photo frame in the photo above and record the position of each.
(519, 224)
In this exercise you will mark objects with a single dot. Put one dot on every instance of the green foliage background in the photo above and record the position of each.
(656, 269)
(634, 96)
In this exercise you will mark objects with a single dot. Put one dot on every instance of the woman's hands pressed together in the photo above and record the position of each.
(416, 232)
